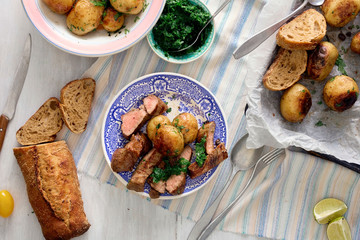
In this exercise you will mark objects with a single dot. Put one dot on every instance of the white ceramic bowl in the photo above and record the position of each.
(183, 94)
(53, 28)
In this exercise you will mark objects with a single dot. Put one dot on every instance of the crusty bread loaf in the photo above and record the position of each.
(76, 99)
(53, 189)
(286, 69)
(43, 125)
(303, 32)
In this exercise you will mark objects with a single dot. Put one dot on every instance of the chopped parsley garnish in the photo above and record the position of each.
(341, 65)
(168, 110)
(126, 31)
(117, 15)
(99, 3)
(319, 124)
(158, 126)
(200, 152)
(179, 25)
(164, 174)
(136, 19)
(319, 102)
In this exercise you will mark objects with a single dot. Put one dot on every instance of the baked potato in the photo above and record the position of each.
(295, 103)
(188, 126)
(128, 6)
(340, 93)
(322, 61)
(84, 17)
(154, 124)
(169, 141)
(60, 6)
(338, 13)
(112, 20)
(355, 43)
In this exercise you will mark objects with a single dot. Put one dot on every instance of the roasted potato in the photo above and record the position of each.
(128, 6)
(338, 13)
(322, 61)
(340, 93)
(355, 43)
(112, 20)
(295, 103)
(60, 6)
(154, 124)
(188, 126)
(169, 141)
(84, 17)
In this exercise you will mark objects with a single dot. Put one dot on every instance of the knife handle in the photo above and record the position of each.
(3, 124)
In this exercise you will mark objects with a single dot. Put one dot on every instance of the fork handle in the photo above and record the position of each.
(212, 225)
(253, 42)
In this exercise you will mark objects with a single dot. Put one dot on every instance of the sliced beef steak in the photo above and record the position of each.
(124, 159)
(212, 160)
(132, 121)
(143, 170)
(176, 183)
(207, 130)
(154, 105)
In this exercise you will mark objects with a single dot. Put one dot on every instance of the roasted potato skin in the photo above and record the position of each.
(84, 17)
(321, 61)
(154, 124)
(169, 141)
(128, 6)
(60, 6)
(340, 93)
(112, 20)
(188, 125)
(338, 13)
(295, 103)
(355, 43)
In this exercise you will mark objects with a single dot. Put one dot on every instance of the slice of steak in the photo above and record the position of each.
(132, 121)
(154, 194)
(176, 183)
(159, 186)
(154, 105)
(143, 170)
(212, 160)
(207, 130)
(139, 144)
(123, 160)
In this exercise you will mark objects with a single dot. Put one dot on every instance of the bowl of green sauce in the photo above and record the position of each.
(177, 28)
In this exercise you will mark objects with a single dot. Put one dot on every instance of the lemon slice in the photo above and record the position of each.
(339, 229)
(329, 209)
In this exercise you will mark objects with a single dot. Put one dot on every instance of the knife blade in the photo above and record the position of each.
(16, 88)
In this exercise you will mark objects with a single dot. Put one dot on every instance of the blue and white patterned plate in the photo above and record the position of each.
(183, 94)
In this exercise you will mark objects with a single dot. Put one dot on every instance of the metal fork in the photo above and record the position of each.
(260, 165)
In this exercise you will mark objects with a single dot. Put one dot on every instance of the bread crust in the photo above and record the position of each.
(286, 69)
(24, 135)
(57, 153)
(291, 35)
(64, 107)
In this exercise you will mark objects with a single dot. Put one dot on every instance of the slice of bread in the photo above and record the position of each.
(76, 99)
(286, 69)
(43, 125)
(303, 32)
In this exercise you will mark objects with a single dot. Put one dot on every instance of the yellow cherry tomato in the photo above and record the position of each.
(6, 204)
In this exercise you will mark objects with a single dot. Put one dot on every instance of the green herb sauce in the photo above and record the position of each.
(179, 25)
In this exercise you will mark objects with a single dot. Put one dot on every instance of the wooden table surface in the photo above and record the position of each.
(113, 213)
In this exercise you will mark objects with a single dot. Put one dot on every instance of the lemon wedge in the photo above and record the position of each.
(339, 229)
(328, 209)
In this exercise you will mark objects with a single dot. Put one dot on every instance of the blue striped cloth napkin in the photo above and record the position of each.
(278, 204)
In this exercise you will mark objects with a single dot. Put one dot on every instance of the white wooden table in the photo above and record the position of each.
(114, 214)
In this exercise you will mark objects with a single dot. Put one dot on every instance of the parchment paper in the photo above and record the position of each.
(340, 134)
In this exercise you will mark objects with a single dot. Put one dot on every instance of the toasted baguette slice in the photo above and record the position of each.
(286, 69)
(43, 125)
(76, 98)
(304, 32)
